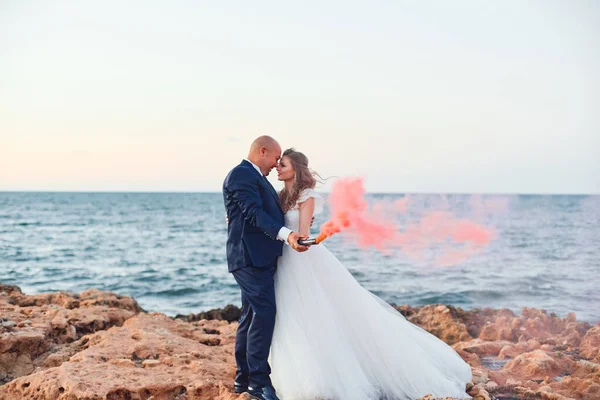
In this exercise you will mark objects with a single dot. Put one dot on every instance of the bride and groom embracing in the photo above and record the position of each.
(307, 327)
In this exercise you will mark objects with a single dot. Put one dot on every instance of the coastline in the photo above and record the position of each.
(103, 345)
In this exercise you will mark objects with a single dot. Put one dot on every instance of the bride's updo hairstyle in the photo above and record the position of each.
(304, 178)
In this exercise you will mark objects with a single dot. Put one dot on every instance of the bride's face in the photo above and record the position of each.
(285, 171)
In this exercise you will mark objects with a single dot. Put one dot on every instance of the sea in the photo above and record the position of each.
(167, 250)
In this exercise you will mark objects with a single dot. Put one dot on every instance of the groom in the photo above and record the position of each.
(255, 237)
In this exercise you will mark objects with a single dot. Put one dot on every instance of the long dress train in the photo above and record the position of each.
(334, 339)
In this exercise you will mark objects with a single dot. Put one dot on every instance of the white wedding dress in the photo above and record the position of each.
(335, 340)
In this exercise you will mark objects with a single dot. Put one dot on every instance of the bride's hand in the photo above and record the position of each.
(293, 241)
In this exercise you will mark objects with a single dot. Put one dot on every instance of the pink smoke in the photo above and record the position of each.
(349, 211)
(455, 239)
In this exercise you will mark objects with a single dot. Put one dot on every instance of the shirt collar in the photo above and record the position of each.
(255, 167)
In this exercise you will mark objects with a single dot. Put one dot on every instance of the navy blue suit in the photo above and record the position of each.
(255, 218)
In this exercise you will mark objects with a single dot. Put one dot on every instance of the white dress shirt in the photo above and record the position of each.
(284, 232)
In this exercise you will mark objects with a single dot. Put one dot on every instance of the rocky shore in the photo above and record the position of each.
(100, 345)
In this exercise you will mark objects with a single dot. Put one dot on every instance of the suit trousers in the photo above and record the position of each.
(255, 330)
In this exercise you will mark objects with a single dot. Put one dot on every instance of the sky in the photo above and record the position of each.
(414, 96)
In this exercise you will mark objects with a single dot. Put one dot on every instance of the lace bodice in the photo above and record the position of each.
(292, 217)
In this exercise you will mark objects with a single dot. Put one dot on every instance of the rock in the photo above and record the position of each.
(525, 392)
(489, 324)
(150, 363)
(491, 386)
(7, 324)
(498, 377)
(499, 330)
(512, 350)
(483, 348)
(478, 392)
(590, 344)
(551, 396)
(41, 327)
(9, 289)
(114, 365)
(124, 362)
(18, 352)
(480, 375)
(587, 387)
(533, 365)
(92, 297)
(442, 321)
(538, 324)
(97, 345)
(585, 367)
(542, 351)
(230, 313)
(471, 358)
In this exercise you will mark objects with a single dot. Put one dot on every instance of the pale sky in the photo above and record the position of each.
(416, 96)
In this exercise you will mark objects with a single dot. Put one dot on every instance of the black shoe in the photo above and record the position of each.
(240, 387)
(263, 393)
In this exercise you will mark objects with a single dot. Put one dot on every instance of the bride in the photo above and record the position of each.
(334, 339)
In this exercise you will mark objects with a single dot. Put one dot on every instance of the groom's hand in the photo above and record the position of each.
(293, 241)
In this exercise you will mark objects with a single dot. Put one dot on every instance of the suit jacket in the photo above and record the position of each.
(255, 218)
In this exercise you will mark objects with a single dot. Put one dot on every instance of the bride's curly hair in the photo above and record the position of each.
(304, 179)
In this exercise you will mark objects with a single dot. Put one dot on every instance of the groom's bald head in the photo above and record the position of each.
(263, 141)
(265, 152)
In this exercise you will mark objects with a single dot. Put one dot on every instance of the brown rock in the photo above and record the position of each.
(590, 345)
(230, 313)
(578, 388)
(98, 345)
(42, 326)
(483, 348)
(9, 289)
(478, 392)
(114, 363)
(514, 349)
(552, 396)
(584, 368)
(442, 321)
(480, 375)
(150, 363)
(538, 324)
(471, 358)
(498, 377)
(489, 324)
(533, 365)
(18, 351)
(499, 329)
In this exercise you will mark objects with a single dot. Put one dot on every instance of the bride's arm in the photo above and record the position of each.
(307, 210)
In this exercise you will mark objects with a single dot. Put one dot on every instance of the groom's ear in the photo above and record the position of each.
(264, 151)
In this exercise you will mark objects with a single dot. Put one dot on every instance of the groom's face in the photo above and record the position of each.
(270, 158)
